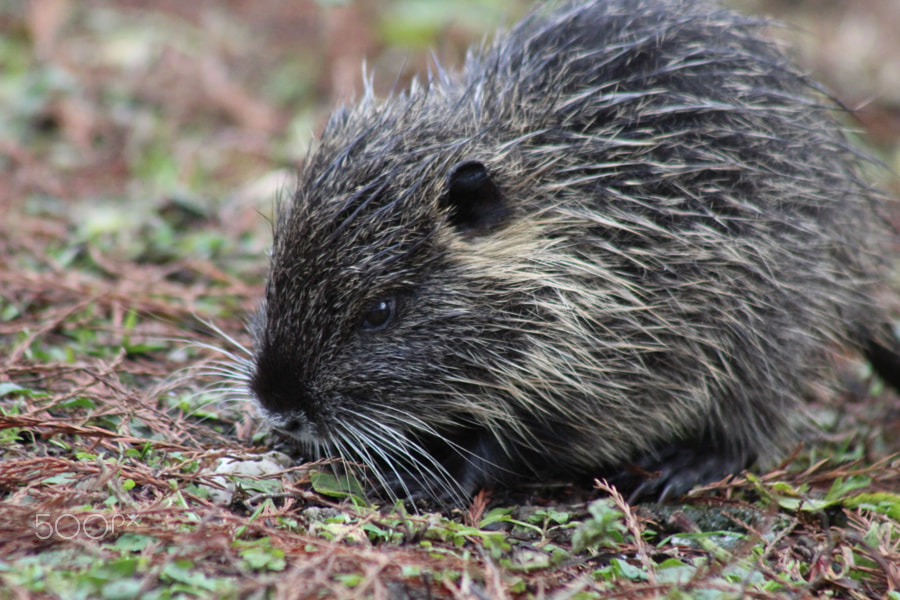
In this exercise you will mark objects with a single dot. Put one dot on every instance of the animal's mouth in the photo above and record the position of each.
(297, 432)
(295, 427)
(444, 466)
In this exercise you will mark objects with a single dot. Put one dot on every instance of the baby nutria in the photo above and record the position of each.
(626, 237)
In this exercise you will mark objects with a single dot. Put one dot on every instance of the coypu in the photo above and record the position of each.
(628, 232)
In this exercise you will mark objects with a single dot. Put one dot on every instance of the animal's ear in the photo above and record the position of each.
(475, 202)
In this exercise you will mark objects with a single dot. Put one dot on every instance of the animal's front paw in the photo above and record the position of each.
(677, 468)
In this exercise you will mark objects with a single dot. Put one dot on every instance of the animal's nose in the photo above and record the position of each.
(279, 387)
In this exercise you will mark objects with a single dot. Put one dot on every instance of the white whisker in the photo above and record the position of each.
(416, 460)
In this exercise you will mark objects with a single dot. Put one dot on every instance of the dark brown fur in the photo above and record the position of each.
(629, 232)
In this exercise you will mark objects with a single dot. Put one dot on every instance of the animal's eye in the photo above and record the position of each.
(379, 315)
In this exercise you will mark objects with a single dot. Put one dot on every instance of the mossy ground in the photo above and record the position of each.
(142, 146)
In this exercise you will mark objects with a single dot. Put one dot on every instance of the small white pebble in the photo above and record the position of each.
(255, 465)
